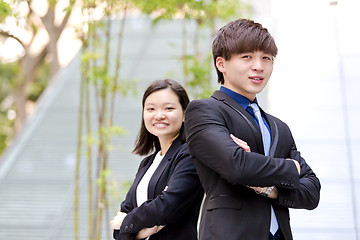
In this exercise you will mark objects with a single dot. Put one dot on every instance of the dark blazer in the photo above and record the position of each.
(178, 207)
(231, 210)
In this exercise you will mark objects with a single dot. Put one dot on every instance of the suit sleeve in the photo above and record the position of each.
(127, 205)
(184, 188)
(209, 141)
(307, 195)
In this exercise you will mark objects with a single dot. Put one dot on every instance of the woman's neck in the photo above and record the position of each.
(165, 144)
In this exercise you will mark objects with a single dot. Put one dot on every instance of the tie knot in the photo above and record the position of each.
(254, 107)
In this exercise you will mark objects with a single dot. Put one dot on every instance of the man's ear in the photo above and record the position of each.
(220, 64)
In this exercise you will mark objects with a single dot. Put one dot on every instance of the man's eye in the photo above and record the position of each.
(268, 58)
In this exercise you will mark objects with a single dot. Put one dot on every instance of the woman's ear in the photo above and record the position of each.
(220, 64)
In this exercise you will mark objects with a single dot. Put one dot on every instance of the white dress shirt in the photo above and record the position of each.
(142, 188)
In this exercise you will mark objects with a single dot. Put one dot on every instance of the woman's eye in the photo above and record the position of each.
(169, 108)
(150, 109)
(245, 56)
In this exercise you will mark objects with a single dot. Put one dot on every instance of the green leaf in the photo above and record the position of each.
(5, 10)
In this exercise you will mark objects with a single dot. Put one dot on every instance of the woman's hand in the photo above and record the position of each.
(117, 220)
(146, 232)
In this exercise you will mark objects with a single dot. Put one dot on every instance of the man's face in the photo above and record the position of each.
(246, 73)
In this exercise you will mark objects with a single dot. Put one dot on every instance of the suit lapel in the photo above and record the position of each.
(244, 114)
(147, 163)
(162, 166)
(274, 134)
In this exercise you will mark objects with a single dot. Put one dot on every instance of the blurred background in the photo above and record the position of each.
(72, 74)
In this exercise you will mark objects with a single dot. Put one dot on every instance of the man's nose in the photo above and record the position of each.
(257, 65)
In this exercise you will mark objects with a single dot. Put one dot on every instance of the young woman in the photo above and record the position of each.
(164, 200)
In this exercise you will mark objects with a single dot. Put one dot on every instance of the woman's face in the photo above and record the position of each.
(163, 114)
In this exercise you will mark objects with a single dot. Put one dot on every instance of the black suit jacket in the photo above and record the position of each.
(231, 210)
(178, 207)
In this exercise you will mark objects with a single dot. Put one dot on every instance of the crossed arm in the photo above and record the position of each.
(144, 233)
(208, 138)
(183, 190)
(274, 193)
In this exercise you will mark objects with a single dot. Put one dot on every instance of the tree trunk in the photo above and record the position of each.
(20, 104)
(26, 75)
(54, 33)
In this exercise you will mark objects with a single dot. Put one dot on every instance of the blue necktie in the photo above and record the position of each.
(264, 131)
(266, 142)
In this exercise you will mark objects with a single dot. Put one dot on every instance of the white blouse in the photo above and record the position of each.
(142, 188)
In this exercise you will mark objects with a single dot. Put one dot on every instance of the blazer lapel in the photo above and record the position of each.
(274, 134)
(244, 114)
(162, 166)
(141, 174)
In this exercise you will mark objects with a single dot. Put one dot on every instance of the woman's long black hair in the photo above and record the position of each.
(147, 142)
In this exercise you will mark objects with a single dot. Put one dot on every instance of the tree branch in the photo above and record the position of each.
(67, 15)
(8, 35)
(38, 59)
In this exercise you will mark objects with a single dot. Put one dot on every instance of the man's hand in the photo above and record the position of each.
(245, 146)
(241, 143)
(297, 165)
(273, 194)
(117, 220)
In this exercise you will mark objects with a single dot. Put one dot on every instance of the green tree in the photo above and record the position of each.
(107, 83)
(8, 72)
(5, 10)
(29, 62)
(205, 13)
(7, 110)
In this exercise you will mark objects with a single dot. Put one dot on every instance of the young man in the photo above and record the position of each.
(246, 159)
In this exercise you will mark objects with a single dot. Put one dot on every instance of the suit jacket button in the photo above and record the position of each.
(126, 228)
(131, 226)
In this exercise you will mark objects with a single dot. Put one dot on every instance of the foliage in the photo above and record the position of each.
(5, 10)
(96, 75)
(8, 76)
(19, 22)
(40, 82)
(106, 84)
(6, 104)
(199, 73)
(116, 190)
(196, 64)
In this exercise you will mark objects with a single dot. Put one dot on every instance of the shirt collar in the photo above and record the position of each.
(243, 101)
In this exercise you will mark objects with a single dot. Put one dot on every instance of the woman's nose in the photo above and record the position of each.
(159, 115)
